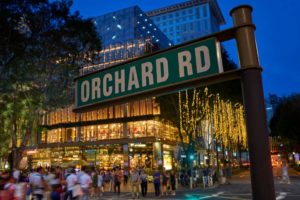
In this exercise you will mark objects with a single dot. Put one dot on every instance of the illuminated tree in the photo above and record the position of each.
(205, 119)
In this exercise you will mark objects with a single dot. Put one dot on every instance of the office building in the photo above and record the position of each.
(188, 20)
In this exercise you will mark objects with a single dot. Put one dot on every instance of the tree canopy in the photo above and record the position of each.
(285, 121)
(42, 45)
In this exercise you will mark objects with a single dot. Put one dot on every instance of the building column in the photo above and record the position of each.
(157, 155)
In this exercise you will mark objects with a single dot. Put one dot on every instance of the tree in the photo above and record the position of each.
(197, 111)
(285, 121)
(42, 46)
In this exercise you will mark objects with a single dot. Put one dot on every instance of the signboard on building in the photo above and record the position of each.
(165, 69)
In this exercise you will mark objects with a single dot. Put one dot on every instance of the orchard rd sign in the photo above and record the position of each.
(171, 67)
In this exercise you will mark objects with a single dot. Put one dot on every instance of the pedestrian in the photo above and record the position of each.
(94, 176)
(205, 177)
(227, 173)
(38, 184)
(173, 182)
(285, 173)
(71, 182)
(135, 183)
(20, 188)
(101, 183)
(126, 175)
(16, 174)
(165, 179)
(10, 187)
(156, 181)
(117, 179)
(57, 188)
(85, 181)
(144, 183)
(111, 180)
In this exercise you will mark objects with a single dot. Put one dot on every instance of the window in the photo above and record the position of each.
(191, 26)
(183, 12)
(164, 17)
(171, 28)
(170, 15)
(198, 12)
(157, 19)
(184, 27)
(204, 11)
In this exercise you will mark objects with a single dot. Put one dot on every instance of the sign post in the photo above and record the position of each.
(260, 160)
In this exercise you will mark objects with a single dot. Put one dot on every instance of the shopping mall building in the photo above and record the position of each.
(130, 134)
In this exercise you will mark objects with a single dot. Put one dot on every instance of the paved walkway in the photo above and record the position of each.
(239, 189)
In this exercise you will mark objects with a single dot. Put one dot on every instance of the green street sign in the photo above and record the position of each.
(168, 68)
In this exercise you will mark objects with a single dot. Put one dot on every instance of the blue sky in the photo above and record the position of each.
(277, 33)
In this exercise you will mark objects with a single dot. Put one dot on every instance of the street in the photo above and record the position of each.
(238, 189)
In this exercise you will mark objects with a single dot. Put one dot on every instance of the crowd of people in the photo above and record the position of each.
(69, 184)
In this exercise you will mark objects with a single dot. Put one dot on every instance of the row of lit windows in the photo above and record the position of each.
(119, 52)
(193, 12)
(110, 131)
(132, 109)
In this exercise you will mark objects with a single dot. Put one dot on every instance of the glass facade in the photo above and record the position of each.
(119, 52)
(128, 24)
(189, 20)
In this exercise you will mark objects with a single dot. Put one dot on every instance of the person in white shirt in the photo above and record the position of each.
(37, 182)
(16, 175)
(85, 181)
(101, 182)
(71, 182)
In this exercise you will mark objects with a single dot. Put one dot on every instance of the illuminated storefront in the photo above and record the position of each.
(127, 135)
(121, 135)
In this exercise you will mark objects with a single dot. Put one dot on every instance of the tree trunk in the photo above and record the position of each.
(17, 152)
(217, 156)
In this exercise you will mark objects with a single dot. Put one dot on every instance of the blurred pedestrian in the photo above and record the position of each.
(156, 181)
(85, 181)
(135, 183)
(173, 182)
(94, 176)
(285, 173)
(126, 175)
(101, 183)
(144, 183)
(117, 179)
(71, 182)
(38, 183)
(165, 179)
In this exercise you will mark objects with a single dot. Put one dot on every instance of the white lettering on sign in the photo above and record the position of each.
(162, 70)
(202, 67)
(85, 91)
(107, 90)
(96, 88)
(150, 73)
(184, 61)
(133, 79)
(119, 81)
(147, 74)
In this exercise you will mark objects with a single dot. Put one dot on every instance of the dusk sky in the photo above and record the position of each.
(277, 34)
